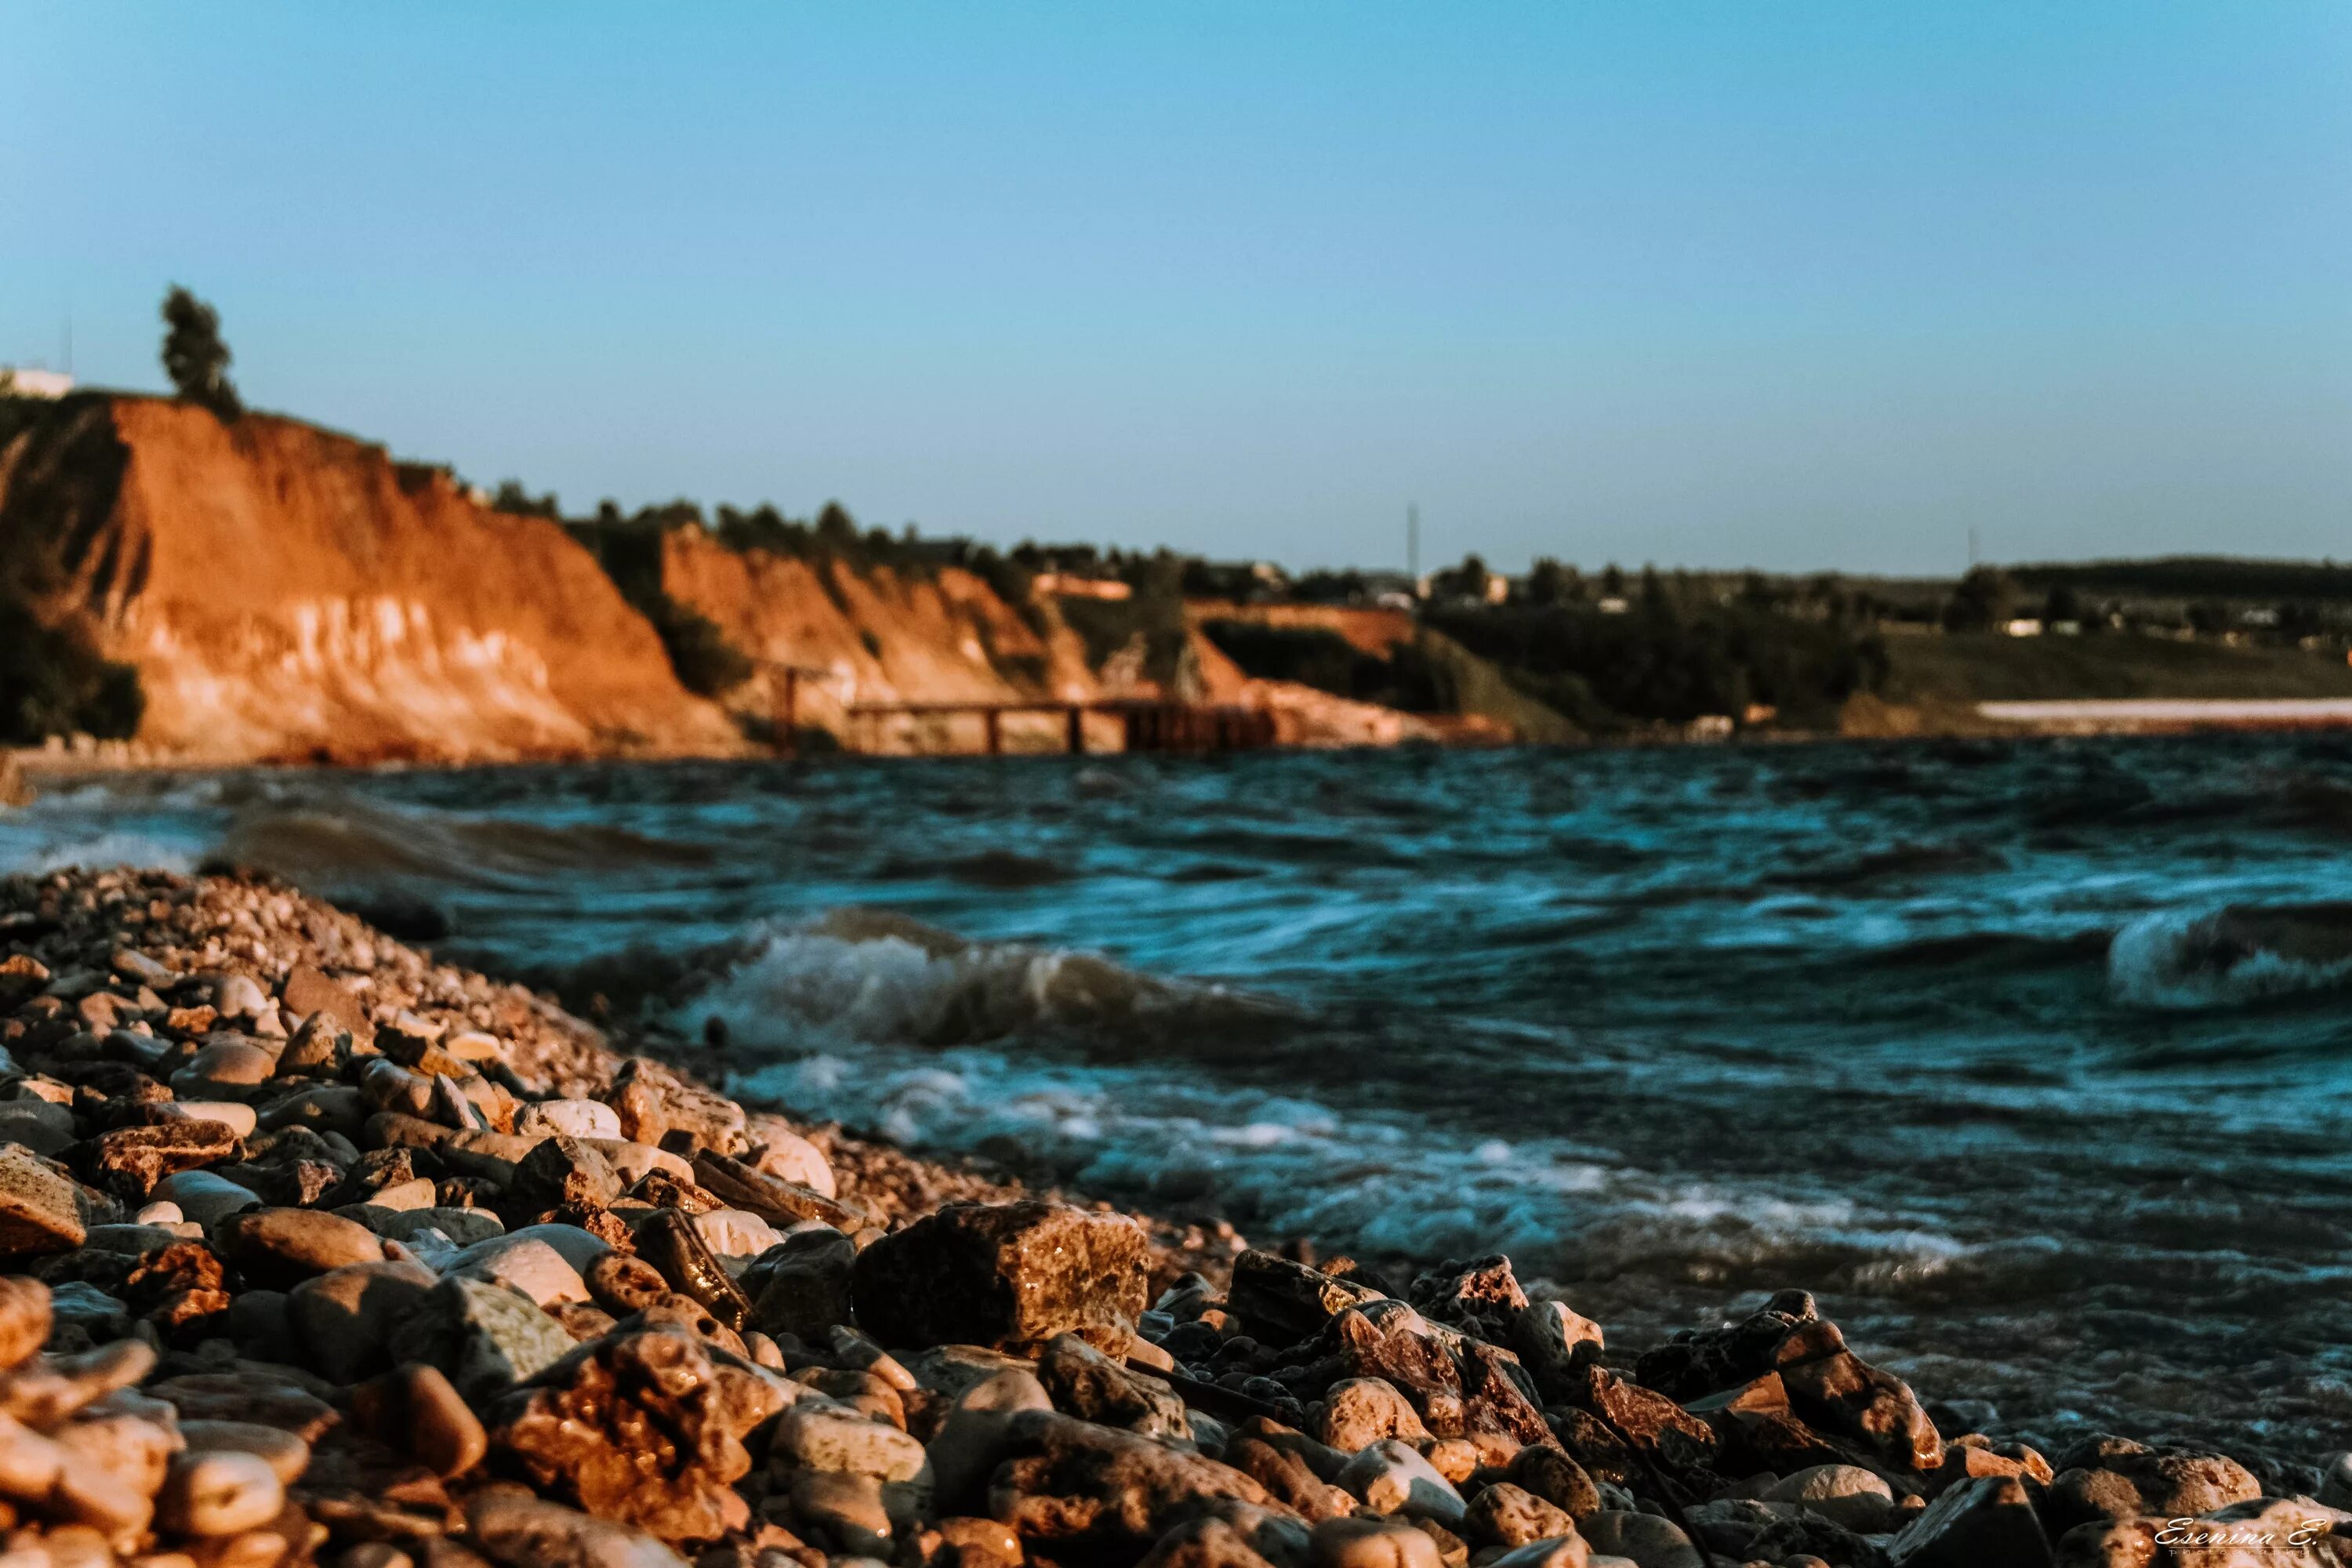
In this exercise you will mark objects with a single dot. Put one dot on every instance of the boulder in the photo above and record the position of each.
(2125, 1479)
(1505, 1515)
(1358, 1412)
(804, 1290)
(652, 1102)
(1392, 1478)
(1651, 1541)
(1008, 1275)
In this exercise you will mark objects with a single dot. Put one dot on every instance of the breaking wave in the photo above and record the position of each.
(874, 976)
(2189, 959)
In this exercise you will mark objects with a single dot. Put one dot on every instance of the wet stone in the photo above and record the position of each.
(1008, 1275)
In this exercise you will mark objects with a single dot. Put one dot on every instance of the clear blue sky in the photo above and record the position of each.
(1793, 285)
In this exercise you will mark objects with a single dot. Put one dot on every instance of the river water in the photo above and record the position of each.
(2030, 1059)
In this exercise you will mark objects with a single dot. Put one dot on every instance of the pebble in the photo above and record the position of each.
(523, 1260)
(572, 1117)
(1648, 1539)
(1354, 1542)
(819, 1437)
(223, 1492)
(288, 1244)
(204, 1197)
(287, 1455)
(1392, 1478)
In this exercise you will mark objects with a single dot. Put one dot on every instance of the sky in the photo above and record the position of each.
(1790, 285)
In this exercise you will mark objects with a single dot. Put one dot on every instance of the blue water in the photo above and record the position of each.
(1958, 1037)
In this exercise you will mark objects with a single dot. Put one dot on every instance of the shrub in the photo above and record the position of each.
(53, 681)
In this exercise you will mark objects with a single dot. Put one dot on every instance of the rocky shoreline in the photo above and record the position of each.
(316, 1250)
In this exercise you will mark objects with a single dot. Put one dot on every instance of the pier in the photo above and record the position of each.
(1145, 725)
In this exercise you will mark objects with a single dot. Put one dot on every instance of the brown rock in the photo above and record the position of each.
(416, 1408)
(1481, 1297)
(1841, 1394)
(280, 1246)
(1654, 1425)
(524, 1531)
(653, 1102)
(562, 1170)
(182, 1289)
(644, 1428)
(1005, 1275)
(343, 1318)
(129, 1161)
(1288, 1480)
(1360, 1411)
(1088, 1384)
(772, 1198)
(1279, 1302)
(1507, 1515)
(670, 1243)
(39, 1211)
(308, 991)
(1203, 1543)
(805, 1290)
(1068, 1485)
(1549, 1474)
(2129, 1479)
(24, 1319)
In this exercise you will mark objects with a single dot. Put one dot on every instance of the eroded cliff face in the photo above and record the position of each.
(289, 593)
(877, 637)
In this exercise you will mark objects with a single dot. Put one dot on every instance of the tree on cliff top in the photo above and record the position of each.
(194, 357)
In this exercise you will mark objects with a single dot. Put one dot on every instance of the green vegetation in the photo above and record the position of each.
(195, 357)
(701, 658)
(1671, 657)
(1986, 666)
(53, 681)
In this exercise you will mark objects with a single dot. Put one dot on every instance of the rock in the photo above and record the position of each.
(1360, 1411)
(583, 1428)
(2112, 1543)
(1088, 1384)
(265, 1395)
(973, 1437)
(1555, 1552)
(524, 1531)
(805, 1290)
(1847, 1495)
(83, 1316)
(1988, 1520)
(1551, 1475)
(772, 1198)
(1505, 1515)
(1654, 1423)
(284, 1246)
(2335, 1480)
(1392, 1478)
(1203, 1543)
(220, 1493)
(1006, 1275)
(38, 1211)
(239, 996)
(42, 1128)
(535, 1260)
(24, 1319)
(460, 1227)
(344, 1318)
(561, 1171)
(811, 1435)
(1837, 1392)
(484, 1337)
(652, 1102)
(1555, 1345)
(224, 1064)
(1370, 1544)
(670, 1242)
(310, 991)
(1651, 1541)
(129, 1161)
(1280, 1301)
(783, 1154)
(205, 1197)
(287, 1455)
(849, 1512)
(736, 1233)
(2129, 1479)
(572, 1117)
(1288, 1478)
(1085, 1489)
(1481, 1297)
(416, 1408)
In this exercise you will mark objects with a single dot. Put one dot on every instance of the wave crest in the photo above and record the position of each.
(2232, 957)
